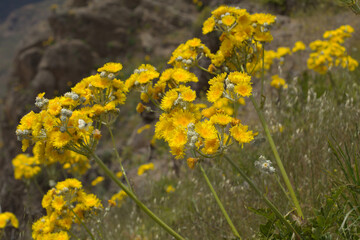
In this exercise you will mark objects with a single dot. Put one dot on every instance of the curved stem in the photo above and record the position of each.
(263, 197)
(118, 158)
(204, 69)
(82, 224)
(233, 229)
(110, 174)
(277, 158)
(73, 235)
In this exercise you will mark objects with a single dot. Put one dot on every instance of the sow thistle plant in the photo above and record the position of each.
(66, 204)
(67, 129)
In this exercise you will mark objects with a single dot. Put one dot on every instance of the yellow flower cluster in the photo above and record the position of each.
(271, 55)
(97, 180)
(278, 82)
(329, 53)
(66, 128)
(241, 36)
(25, 166)
(65, 205)
(118, 198)
(8, 217)
(144, 168)
(188, 54)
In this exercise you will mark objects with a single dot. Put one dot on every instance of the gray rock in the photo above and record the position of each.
(68, 60)
(28, 62)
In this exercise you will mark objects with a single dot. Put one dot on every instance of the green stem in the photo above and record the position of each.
(277, 158)
(118, 158)
(263, 197)
(72, 235)
(110, 174)
(282, 188)
(204, 69)
(262, 70)
(219, 203)
(82, 224)
(262, 98)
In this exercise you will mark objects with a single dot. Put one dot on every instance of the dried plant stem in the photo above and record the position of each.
(278, 160)
(130, 193)
(233, 229)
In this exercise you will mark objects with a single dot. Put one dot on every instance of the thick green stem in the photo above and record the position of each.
(110, 174)
(118, 158)
(233, 229)
(264, 198)
(277, 158)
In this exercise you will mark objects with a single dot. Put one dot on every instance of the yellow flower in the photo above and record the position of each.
(25, 166)
(221, 119)
(169, 99)
(97, 180)
(118, 198)
(90, 201)
(182, 76)
(46, 201)
(170, 189)
(182, 118)
(243, 89)
(263, 18)
(111, 67)
(59, 139)
(69, 183)
(140, 108)
(278, 82)
(282, 51)
(195, 42)
(164, 126)
(215, 91)
(178, 138)
(211, 146)
(140, 130)
(299, 45)
(6, 217)
(208, 25)
(54, 107)
(191, 162)
(187, 94)
(206, 129)
(119, 174)
(144, 168)
(241, 134)
(228, 20)
(239, 77)
(27, 121)
(58, 203)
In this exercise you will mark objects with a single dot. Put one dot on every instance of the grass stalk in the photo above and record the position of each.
(277, 158)
(264, 198)
(233, 229)
(83, 225)
(130, 193)
(118, 158)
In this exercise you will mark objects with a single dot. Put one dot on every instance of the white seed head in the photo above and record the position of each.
(103, 74)
(111, 76)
